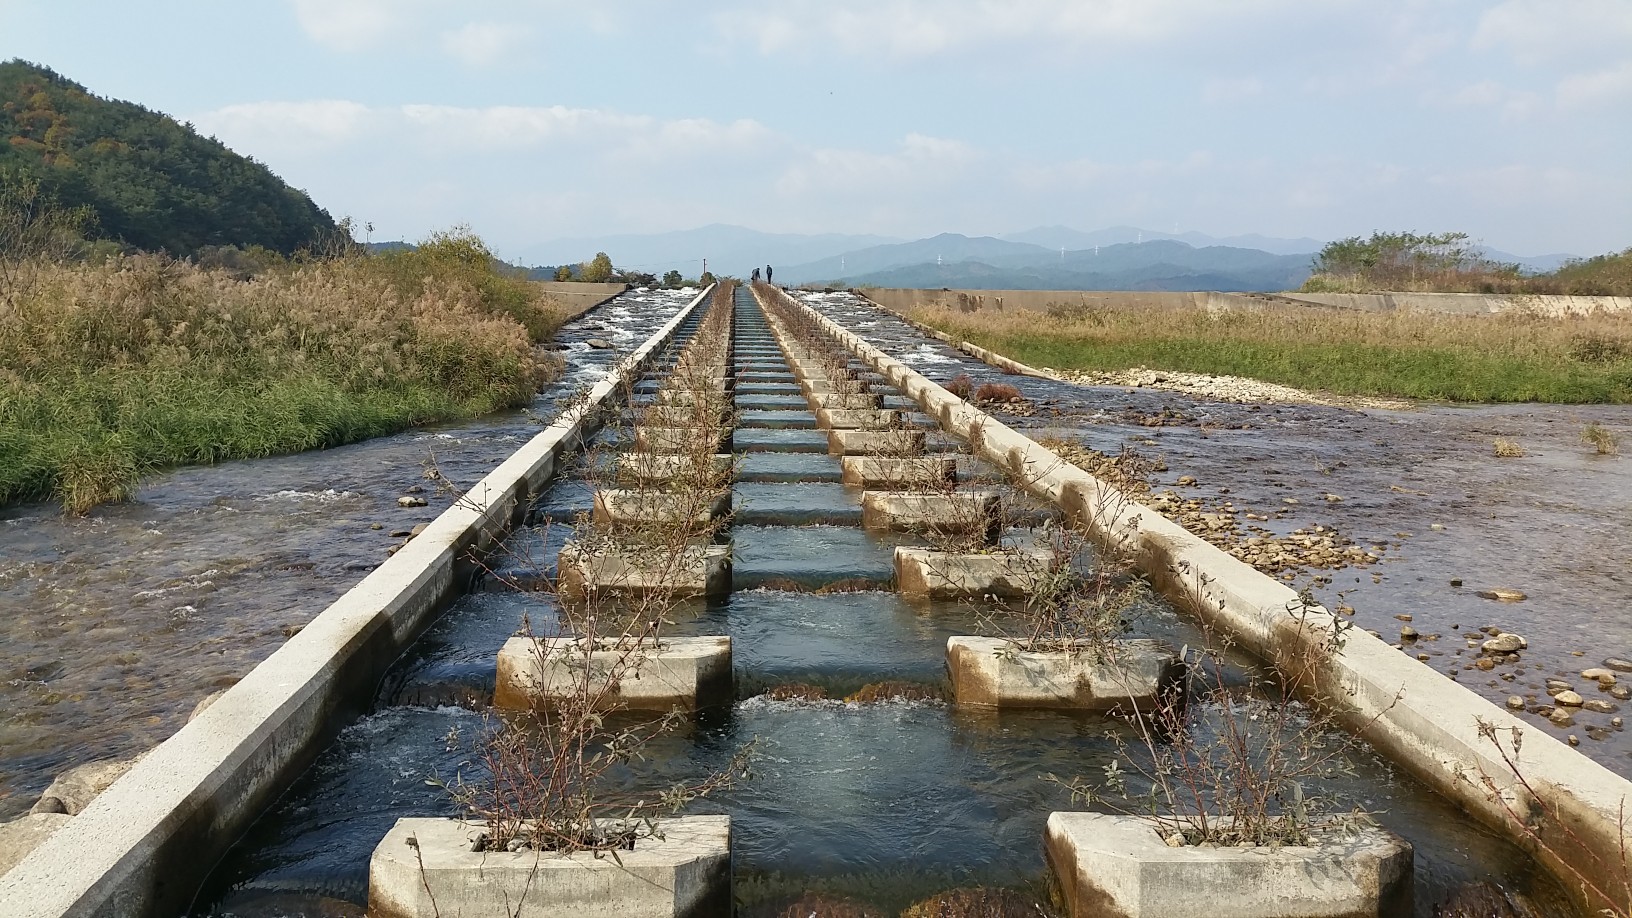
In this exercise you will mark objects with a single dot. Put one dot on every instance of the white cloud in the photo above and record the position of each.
(279, 126)
(1536, 31)
(925, 27)
(1609, 89)
(486, 44)
(920, 161)
(353, 25)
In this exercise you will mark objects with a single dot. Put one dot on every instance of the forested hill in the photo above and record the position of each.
(152, 182)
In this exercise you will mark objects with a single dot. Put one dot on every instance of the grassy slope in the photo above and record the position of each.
(1476, 359)
(109, 372)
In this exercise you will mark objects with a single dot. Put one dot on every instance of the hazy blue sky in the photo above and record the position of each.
(532, 120)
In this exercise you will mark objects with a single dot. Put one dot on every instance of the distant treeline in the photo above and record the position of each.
(145, 180)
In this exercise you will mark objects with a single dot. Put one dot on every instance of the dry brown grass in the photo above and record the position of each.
(108, 371)
(1506, 357)
(1507, 449)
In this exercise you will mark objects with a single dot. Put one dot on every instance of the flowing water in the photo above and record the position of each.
(113, 626)
(1424, 487)
(878, 802)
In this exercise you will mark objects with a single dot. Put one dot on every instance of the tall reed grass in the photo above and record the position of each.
(1509, 357)
(110, 371)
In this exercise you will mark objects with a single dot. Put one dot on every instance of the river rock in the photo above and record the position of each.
(1620, 693)
(409, 501)
(1505, 643)
(1480, 900)
(1619, 665)
(1599, 706)
(22, 835)
(1561, 718)
(1515, 702)
(1408, 633)
(1597, 674)
(1568, 698)
(204, 704)
(599, 344)
(1503, 594)
(74, 789)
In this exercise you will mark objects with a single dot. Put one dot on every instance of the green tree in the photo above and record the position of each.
(706, 279)
(673, 279)
(563, 273)
(598, 271)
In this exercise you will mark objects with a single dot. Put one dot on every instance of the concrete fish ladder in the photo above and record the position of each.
(144, 846)
(1425, 723)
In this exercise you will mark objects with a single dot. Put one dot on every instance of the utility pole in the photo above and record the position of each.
(705, 266)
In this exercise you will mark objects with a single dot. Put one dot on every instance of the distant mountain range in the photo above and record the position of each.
(984, 263)
(730, 250)
(1044, 258)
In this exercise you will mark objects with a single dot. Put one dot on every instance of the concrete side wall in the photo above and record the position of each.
(143, 847)
(901, 300)
(1427, 724)
(581, 298)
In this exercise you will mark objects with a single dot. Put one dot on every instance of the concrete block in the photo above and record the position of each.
(957, 511)
(1133, 677)
(857, 418)
(875, 442)
(654, 468)
(617, 506)
(682, 439)
(682, 672)
(923, 572)
(25, 833)
(846, 400)
(693, 417)
(884, 473)
(1120, 867)
(425, 868)
(814, 386)
(696, 570)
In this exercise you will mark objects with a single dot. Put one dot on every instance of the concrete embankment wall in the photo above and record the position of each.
(144, 846)
(901, 299)
(581, 298)
(1429, 725)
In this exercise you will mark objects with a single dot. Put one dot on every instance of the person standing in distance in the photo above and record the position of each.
(767, 274)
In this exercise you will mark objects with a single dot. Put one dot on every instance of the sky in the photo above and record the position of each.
(531, 120)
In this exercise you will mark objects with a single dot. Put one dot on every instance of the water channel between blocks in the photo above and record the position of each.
(883, 802)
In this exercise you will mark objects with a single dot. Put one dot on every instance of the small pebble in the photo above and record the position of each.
(376, 526)
(1437, 527)
(1575, 740)
(1408, 633)
(1404, 616)
(1515, 702)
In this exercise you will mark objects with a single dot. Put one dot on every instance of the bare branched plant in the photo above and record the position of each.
(1243, 761)
(557, 777)
(1604, 880)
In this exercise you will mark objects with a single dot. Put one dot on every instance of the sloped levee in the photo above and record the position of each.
(145, 844)
(1436, 729)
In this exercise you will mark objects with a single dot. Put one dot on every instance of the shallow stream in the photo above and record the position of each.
(881, 803)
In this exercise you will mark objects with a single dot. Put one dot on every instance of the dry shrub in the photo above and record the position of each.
(1507, 449)
(961, 385)
(1602, 440)
(997, 392)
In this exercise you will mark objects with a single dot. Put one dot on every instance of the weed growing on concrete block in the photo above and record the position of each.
(555, 777)
(1238, 764)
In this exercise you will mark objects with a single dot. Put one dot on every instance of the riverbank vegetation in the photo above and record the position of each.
(1510, 357)
(114, 367)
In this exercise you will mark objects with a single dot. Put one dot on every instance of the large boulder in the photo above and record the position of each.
(75, 788)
